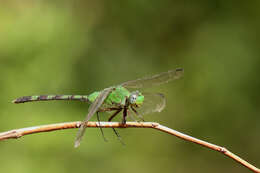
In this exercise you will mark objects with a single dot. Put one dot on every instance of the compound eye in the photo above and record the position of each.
(133, 98)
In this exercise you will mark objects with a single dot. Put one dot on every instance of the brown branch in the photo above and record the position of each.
(68, 125)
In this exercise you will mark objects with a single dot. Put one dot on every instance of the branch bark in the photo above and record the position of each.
(17, 133)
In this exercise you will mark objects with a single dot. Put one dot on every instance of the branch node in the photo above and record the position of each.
(155, 125)
(223, 150)
(78, 124)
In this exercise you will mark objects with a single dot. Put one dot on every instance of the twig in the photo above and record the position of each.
(68, 125)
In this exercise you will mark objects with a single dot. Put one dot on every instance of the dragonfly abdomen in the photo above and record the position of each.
(51, 97)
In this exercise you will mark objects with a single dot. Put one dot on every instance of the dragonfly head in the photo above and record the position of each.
(136, 98)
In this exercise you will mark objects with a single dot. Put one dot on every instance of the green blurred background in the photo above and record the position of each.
(77, 47)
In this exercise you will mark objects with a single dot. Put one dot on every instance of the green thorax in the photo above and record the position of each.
(117, 96)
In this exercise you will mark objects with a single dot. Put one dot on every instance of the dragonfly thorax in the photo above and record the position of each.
(136, 98)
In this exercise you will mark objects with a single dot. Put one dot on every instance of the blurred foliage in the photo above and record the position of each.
(77, 47)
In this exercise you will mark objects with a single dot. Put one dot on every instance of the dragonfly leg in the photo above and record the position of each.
(140, 116)
(109, 109)
(124, 115)
(117, 134)
(101, 128)
(131, 116)
(114, 114)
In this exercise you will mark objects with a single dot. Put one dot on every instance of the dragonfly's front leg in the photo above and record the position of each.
(140, 116)
(131, 116)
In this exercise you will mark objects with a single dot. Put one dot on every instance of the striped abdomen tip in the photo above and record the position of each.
(22, 99)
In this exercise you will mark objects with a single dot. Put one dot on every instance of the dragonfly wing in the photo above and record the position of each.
(158, 79)
(92, 110)
(153, 102)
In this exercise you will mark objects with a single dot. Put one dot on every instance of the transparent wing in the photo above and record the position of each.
(153, 102)
(92, 110)
(157, 79)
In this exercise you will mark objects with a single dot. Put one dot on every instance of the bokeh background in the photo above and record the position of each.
(77, 47)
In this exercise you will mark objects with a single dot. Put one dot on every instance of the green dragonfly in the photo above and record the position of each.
(118, 99)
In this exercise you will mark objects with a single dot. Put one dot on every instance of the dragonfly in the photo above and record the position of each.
(118, 98)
